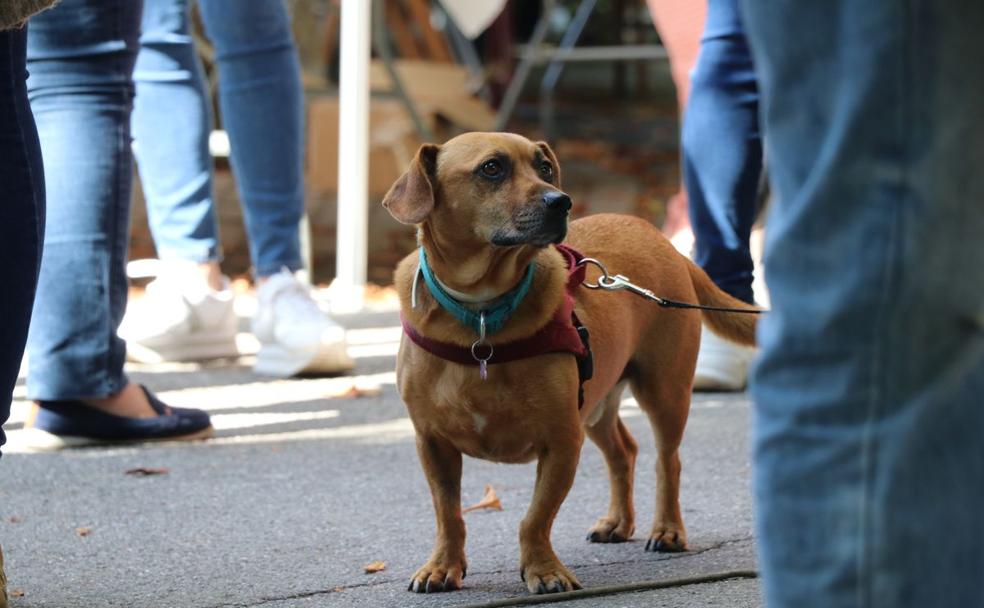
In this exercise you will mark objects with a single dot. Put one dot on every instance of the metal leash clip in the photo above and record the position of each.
(483, 362)
(614, 283)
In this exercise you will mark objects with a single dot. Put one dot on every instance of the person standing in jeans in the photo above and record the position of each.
(21, 206)
(188, 312)
(679, 24)
(80, 56)
(869, 390)
(722, 168)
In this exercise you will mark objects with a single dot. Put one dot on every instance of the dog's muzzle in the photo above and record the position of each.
(537, 224)
(553, 226)
(557, 202)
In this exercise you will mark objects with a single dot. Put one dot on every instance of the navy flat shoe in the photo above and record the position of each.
(72, 423)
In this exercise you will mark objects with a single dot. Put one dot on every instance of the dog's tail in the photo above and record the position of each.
(734, 326)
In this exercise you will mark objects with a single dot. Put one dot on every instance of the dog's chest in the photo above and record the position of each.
(488, 419)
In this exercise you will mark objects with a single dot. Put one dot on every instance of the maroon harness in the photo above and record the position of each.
(563, 333)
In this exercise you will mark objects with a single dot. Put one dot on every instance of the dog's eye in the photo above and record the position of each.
(546, 170)
(492, 168)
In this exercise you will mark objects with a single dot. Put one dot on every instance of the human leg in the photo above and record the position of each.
(722, 151)
(868, 391)
(722, 165)
(81, 57)
(262, 111)
(261, 103)
(679, 23)
(171, 123)
(187, 313)
(21, 221)
(21, 211)
(3, 583)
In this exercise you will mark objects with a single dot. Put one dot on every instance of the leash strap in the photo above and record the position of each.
(674, 304)
(616, 282)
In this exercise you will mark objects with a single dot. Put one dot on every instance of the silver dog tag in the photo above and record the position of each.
(483, 362)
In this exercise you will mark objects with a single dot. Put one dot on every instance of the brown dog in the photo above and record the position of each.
(486, 206)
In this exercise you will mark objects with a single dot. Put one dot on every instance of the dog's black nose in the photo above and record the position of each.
(557, 201)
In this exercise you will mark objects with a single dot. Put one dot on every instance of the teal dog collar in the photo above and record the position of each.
(496, 313)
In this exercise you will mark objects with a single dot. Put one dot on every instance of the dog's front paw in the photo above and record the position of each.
(549, 576)
(438, 575)
(667, 538)
(611, 530)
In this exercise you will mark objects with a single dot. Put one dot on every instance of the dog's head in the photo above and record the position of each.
(482, 189)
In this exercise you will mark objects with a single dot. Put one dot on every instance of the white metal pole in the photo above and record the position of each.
(353, 156)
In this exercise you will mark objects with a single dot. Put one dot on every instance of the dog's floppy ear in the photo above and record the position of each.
(549, 153)
(411, 198)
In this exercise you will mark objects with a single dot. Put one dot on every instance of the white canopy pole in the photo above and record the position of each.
(353, 157)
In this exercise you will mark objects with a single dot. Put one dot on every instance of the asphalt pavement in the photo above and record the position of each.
(310, 480)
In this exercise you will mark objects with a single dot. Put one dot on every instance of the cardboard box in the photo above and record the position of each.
(393, 141)
(437, 89)
(444, 89)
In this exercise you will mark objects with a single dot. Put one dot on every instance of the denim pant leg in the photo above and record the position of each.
(21, 211)
(262, 110)
(171, 123)
(869, 462)
(722, 151)
(80, 55)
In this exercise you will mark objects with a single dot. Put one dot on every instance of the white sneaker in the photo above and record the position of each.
(180, 319)
(721, 365)
(295, 335)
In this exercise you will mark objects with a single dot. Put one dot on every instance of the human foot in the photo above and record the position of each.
(131, 402)
(69, 423)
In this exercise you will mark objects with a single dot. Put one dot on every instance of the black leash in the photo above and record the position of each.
(674, 304)
(614, 283)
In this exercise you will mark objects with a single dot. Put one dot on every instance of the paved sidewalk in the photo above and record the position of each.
(310, 480)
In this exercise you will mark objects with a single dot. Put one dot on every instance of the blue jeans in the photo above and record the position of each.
(81, 56)
(261, 101)
(21, 211)
(722, 151)
(869, 393)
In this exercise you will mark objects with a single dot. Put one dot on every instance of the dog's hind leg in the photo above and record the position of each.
(446, 567)
(666, 402)
(619, 449)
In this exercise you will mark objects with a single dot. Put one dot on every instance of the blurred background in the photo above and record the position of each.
(589, 76)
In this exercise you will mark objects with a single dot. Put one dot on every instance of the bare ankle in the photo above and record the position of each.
(131, 402)
(212, 275)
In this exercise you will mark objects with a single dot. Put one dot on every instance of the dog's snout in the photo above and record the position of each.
(557, 201)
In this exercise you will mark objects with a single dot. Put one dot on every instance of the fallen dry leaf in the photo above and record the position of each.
(355, 392)
(374, 567)
(379, 293)
(147, 471)
(83, 531)
(16, 592)
(490, 501)
(351, 391)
